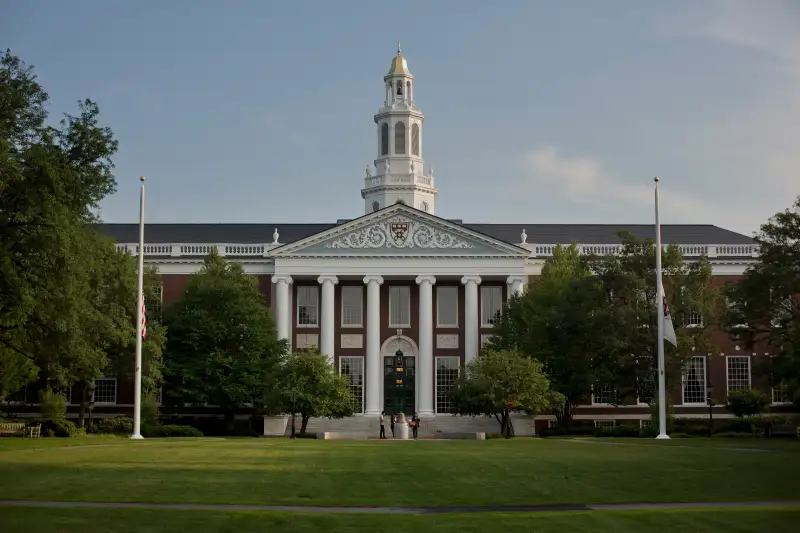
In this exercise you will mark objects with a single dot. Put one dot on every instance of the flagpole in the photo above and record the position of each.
(137, 374)
(662, 395)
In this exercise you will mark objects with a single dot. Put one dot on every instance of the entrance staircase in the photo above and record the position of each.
(439, 426)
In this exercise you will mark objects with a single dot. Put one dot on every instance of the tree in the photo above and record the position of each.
(51, 182)
(764, 307)
(629, 281)
(222, 346)
(501, 382)
(314, 389)
(563, 320)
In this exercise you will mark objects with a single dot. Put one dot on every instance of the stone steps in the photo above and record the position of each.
(439, 425)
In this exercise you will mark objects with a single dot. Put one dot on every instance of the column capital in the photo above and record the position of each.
(328, 277)
(426, 278)
(515, 279)
(277, 278)
(370, 278)
(471, 279)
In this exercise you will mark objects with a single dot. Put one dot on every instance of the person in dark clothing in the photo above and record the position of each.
(383, 428)
(414, 425)
(391, 423)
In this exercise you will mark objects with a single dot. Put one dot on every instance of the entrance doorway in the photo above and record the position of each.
(399, 398)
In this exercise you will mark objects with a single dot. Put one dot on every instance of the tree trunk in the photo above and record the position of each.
(564, 415)
(304, 423)
(82, 404)
(230, 420)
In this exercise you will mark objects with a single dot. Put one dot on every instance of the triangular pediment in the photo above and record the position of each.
(399, 230)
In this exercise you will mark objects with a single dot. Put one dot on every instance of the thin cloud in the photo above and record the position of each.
(586, 179)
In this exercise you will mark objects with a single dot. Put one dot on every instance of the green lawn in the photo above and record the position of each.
(375, 473)
(163, 521)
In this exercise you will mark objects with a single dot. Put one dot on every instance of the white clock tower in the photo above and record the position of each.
(399, 174)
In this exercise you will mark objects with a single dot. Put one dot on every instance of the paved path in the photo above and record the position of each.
(406, 510)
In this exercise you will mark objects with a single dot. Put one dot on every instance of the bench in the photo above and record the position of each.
(12, 428)
(34, 432)
(783, 430)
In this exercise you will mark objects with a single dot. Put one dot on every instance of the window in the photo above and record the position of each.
(447, 369)
(307, 306)
(400, 307)
(645, 423)
(693, 320)
(738, 372)
(353, 368)
(552, 423)
(399, 138)
(351, 306)
(604, 395)
(780, 394)
(153, 306)
(694, 380)
(447, 307)
(105, 390)
(491, 305)
(385, 139)
(604, 423)
(415, 139)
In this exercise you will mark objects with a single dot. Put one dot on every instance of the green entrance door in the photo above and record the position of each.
(402, 397)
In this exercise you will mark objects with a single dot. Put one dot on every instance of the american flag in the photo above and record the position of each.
(144, 320)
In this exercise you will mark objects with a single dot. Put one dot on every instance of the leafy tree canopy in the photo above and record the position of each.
(222, 346)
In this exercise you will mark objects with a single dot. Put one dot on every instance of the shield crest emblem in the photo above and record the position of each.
(399, 232)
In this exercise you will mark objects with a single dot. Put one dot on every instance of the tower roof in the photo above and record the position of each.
(399, 64)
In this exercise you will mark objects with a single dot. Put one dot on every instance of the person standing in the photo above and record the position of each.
(383, 428)
(414, 423)
(391, 423)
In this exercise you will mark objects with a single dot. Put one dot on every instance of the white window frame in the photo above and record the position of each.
(308, 289)
(348, 309)
(611, 391)
(116, 391)
(147, 303)
(362, 387)
(450, 358)
(605, 423)
(705, 381)
(448, 291)
(400, 289)
(493, 291)
(782, 396)
(728, 360)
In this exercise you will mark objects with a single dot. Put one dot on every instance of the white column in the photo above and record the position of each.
(327, 315)
(472, 341)
(424, 379)
(373, 360)
(282, 311)
(515, 286)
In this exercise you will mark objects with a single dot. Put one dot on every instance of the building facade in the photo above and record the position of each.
(400, 278)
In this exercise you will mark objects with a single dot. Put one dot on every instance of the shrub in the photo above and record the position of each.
(119, 425)
(53, 406)
(150, 410)
(171, 430)
(746, 403)
(60, 428)
(305, 435)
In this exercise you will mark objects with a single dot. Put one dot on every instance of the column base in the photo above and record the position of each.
(426, 414)
(372, 413)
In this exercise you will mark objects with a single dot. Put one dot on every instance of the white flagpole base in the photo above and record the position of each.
(662, 436)
(137, 437)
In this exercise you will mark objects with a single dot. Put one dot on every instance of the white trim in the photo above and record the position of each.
(363, 378)
(394, 288)
(483, 289)
(116, 391)
(705, 384)
(436, 379)
(360, 289)
(315, 289)
(448, 288)
(749, 371)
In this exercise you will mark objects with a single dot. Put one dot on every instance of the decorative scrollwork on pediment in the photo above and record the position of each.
(399, 232)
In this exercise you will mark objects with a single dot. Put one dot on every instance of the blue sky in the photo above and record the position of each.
(536, 112)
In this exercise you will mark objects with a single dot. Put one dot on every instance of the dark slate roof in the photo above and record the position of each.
(510, 233)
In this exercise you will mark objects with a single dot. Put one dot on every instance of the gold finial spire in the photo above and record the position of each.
(399, 50)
